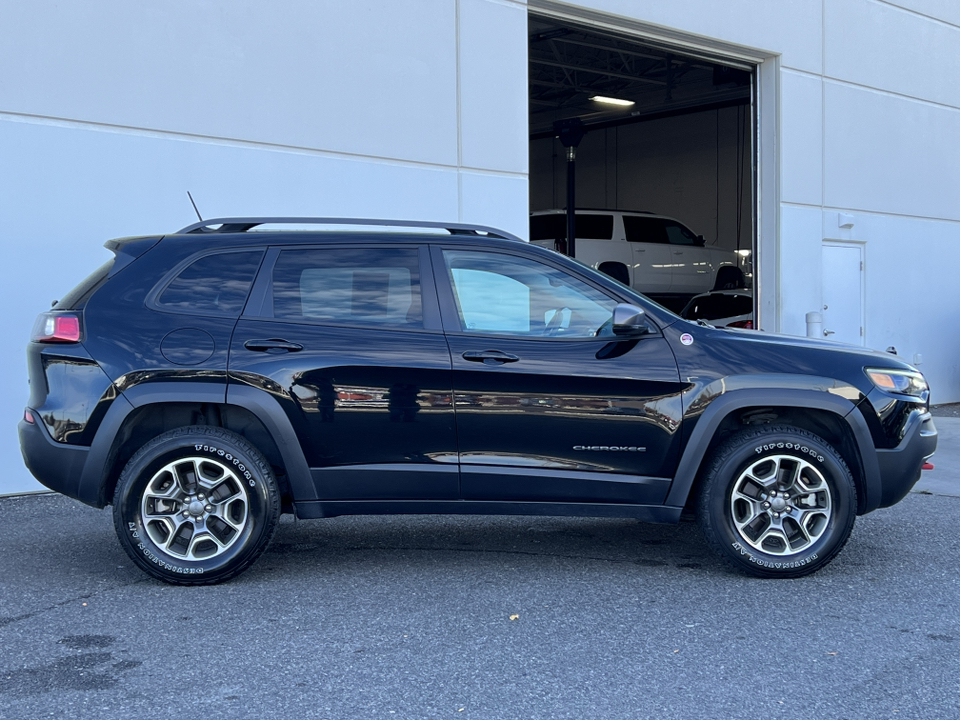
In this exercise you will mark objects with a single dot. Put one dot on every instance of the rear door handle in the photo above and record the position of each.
(489, 357)
(272, 345)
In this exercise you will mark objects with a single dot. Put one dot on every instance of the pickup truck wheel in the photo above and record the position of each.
(777, 501)
(196, 506)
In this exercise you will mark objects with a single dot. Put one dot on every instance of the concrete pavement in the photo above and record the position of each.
(423, 617)
(485, 617)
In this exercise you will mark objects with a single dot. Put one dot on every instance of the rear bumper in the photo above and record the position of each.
(901, 466)
(56, 465)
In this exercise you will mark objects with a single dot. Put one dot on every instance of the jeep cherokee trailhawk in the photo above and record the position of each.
(205, 381)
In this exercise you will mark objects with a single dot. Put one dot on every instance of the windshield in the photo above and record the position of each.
(715, 307)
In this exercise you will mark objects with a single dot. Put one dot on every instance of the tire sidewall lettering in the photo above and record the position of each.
(771, 564)
(159, 562)
(229, 457)
(140, 542)
(787, 445)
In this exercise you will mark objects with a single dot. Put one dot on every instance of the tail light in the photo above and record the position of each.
(746, 324)
(56, 328)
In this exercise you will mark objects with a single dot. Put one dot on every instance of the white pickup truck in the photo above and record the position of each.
(653, 254)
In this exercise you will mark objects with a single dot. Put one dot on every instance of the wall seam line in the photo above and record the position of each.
(917, 13)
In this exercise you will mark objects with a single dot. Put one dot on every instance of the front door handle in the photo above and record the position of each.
(272, 345)
(489, 357)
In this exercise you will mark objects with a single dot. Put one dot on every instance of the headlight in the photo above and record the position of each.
(904, 382)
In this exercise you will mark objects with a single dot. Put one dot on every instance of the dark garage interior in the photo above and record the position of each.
(665, 131)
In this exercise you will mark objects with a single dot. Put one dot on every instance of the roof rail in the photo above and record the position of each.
(243, 224)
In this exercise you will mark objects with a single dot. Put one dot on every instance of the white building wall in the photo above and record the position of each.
(110, 111)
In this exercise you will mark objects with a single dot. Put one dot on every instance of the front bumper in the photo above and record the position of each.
(900, 467)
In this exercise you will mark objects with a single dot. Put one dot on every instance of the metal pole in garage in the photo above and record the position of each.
(570, 132)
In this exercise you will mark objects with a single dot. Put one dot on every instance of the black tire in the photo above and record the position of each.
(777, 501)
(196, 506)
(618, 271)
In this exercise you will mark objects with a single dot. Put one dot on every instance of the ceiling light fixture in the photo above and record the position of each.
(612, 101)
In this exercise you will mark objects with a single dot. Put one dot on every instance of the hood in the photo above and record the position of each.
(779, 339)
(710, 353)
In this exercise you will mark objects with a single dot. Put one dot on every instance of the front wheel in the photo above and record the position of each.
(196, 506)
(777, 501)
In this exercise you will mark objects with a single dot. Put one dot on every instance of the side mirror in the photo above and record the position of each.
(700, 241)
(629, 321)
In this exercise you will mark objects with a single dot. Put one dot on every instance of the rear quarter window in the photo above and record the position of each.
(215, 284)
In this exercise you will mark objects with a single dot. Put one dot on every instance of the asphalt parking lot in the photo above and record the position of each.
(460, 617)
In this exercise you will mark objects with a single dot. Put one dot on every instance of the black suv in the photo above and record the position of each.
(205, 381)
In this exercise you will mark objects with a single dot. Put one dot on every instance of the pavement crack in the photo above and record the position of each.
(56, 606)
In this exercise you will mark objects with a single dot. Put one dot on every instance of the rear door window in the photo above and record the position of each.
(588, 227)
(644, 229)
(349, 286)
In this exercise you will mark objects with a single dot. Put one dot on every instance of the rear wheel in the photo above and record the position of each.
(777, 501)
(196, 506)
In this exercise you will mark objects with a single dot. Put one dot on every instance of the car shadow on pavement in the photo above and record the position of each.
(459, 542)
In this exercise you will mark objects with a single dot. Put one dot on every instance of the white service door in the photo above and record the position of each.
(843, 292)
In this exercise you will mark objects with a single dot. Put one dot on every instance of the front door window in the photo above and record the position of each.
(507, 295)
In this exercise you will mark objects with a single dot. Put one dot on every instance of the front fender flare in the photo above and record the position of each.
(720, 407)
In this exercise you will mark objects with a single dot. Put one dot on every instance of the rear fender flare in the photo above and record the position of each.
(275, 420)
(92, 484)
